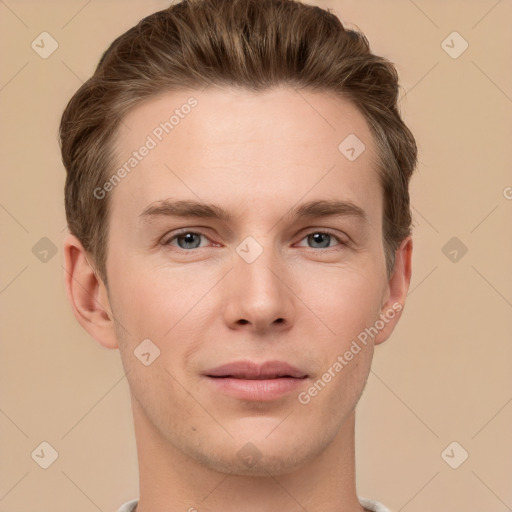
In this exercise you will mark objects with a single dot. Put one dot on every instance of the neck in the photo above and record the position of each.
(172, 481)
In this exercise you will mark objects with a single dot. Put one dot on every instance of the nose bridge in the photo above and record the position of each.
(259, 264)
(261, 275)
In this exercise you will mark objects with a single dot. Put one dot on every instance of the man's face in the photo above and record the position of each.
(263, 283)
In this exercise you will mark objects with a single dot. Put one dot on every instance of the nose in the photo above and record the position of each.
(259, 295)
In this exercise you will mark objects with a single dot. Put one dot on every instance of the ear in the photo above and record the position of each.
(396, 291)
(88, 294)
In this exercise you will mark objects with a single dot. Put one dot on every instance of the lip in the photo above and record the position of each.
(251, 370)
(247, 380)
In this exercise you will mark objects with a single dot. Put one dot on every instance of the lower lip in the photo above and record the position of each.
(256, 389)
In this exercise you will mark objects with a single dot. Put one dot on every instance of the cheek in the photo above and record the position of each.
(346, 300)
(348, 303)
(152, 303)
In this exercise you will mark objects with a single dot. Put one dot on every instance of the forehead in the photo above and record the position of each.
(237, 145)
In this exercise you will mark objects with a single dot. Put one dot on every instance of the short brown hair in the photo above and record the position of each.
(251, 44)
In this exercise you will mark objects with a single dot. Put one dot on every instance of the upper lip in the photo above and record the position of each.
(251, 370)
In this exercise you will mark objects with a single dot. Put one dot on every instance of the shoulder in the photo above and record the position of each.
(128, 506)
(371, 505)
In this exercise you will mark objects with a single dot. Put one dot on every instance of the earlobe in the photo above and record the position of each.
(87, 294)
(397, 288)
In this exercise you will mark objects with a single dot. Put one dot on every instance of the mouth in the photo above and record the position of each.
(249, 370)
(245, 377)
(248, 381)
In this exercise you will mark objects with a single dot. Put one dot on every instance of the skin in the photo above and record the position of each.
(257, 156)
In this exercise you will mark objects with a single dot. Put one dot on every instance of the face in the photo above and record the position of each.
(244, 235)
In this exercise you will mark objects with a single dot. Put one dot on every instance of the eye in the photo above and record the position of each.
(322, 240)
(187, 240)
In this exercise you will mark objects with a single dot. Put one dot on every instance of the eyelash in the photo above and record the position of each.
(341, 242)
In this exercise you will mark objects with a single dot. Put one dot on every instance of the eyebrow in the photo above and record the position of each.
(325, 208)
(169, 208)
(312, 209)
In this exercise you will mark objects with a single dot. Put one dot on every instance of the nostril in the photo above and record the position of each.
(279, 321)
(243, 322)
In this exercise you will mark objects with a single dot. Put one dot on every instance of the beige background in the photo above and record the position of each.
(444, 376)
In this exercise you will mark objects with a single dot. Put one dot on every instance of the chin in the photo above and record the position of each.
(260, 456)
